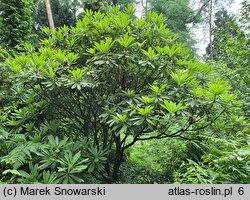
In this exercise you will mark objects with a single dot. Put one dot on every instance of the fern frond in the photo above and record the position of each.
(21, 154)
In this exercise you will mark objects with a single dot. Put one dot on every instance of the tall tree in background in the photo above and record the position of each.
(178, 15)
(231, 46)
(207, 9)
(210, 13)
(96, 5)
(245, 15)
(15, 22)
(225, 28)
(49, 14)
(64, 13)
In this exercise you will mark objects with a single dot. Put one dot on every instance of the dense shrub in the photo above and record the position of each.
(109, 82)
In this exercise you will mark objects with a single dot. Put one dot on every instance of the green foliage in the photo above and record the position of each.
(160, 157)
(245, 11)
(70, 167)
(64, 13)
(231, 47)
(96, 5)
(134, 173)
(227, 161)
(172, 107)
(49, 161)
(19, 155)
(107, 83)
(15, 22)
(157, 161)
(178, 15)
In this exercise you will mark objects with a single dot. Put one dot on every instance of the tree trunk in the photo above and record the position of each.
(117, 164)
(49, 14)
(210, 30)
(118, 159)
(145, 6)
